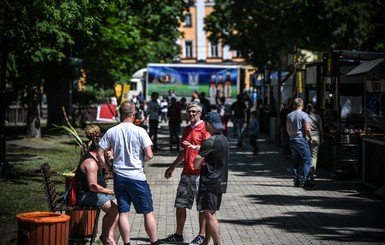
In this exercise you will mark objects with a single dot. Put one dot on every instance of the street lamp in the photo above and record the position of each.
(73, 63)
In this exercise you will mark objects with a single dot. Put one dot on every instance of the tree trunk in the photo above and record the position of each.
(57, 94)
(33, 121)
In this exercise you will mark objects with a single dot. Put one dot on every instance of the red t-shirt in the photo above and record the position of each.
(195, 135)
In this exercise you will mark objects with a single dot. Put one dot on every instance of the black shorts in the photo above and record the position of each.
(208, 201)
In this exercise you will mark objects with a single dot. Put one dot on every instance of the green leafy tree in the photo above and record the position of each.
(261, 29)
(113, 38)
(128, 36)
(42, 30)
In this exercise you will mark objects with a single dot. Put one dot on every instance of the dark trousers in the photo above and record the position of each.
(153, 124)
(174, 134)
(253, 143)
(286, 143)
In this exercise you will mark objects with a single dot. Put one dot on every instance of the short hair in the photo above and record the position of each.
(154, 95)
(194, 104)
(92, 131)
(126, 109)
(298, 102)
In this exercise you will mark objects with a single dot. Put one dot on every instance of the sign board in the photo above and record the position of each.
(215, 80)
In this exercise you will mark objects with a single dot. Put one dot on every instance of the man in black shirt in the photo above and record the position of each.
(239, 118)
(213, 160)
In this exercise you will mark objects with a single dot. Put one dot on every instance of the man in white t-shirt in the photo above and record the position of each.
(132, 147)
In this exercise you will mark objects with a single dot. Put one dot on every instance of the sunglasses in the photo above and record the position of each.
(193, 112)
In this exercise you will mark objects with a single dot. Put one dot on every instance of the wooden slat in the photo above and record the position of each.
(57, 204)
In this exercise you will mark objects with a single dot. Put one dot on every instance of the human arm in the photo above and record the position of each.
(288, 128)
(199, 161)
(178, 160)
(102, 158)
(321, 133)
(189, 145)
(308, 131)
(90, 168)
(148, 154)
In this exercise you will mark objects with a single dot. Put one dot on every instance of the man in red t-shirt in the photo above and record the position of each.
(193, 136)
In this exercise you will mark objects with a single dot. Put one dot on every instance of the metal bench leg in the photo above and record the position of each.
(95, 226)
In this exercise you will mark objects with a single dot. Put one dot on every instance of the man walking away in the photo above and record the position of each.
(298, 126)
(153, 112)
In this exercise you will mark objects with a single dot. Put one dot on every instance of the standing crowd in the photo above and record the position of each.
(203, 149)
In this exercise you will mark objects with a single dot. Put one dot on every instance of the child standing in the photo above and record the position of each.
(254, 130)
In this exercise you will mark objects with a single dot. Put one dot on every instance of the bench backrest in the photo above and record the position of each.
(50, 190)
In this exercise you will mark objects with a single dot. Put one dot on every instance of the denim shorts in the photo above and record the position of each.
(95, 199)
(129, 191)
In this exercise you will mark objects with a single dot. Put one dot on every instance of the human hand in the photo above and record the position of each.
(168, 173)
(110, 155)
(186, 143)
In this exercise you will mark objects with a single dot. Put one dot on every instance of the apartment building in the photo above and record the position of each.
(196, 48)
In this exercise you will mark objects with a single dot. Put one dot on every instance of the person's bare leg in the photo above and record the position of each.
(202, 224)
(110, 221)
(180, 220)
(124, 227)
(150, 226)
(212, 227)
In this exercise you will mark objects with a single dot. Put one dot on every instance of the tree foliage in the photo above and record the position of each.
(113, 38)
(129, 36)
(261, 29)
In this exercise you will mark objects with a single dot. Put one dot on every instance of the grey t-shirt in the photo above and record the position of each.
(297, 120)
(315, 121)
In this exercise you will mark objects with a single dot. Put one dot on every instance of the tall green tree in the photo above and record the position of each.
(128, 36)
(42, 31)
(113, 38)
(261, 29)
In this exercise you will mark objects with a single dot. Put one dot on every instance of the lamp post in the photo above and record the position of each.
(73, 63)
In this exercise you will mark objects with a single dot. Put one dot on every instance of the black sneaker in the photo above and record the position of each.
(307, 184)
(297, 183)
(174, 238)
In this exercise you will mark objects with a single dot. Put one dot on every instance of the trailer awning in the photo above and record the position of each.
(365, 67)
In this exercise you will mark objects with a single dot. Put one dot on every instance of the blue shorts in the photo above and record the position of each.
(95, 199)
(135, 191)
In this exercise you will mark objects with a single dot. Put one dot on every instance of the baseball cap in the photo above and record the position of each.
(215, 119)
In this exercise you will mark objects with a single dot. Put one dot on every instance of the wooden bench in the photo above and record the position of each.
(79, 215)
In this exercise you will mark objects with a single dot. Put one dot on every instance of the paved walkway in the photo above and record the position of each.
(261, 205)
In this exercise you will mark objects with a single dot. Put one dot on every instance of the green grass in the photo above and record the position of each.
(22, 189)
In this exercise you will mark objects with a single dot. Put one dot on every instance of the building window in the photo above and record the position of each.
(189, 49)
(214, 50)
(187, 20)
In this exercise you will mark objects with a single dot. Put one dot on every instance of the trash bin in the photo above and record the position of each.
(45, 228)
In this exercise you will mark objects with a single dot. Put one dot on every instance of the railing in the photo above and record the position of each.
(17, 114)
